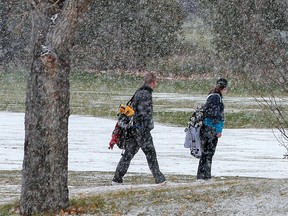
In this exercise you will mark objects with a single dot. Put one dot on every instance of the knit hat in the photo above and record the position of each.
(222, 83)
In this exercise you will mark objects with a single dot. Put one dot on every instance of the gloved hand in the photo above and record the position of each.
(113, 140)
(115, 137)
(218, 135)
(111, 144)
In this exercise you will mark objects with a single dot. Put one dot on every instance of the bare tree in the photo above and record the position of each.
(45, 164)
(277, 104)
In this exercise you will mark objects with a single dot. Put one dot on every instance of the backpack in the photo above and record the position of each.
(125, 122)
(192, 138)
(123, 125)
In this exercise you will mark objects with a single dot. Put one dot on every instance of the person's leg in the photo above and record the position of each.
(124, 163)
(151, 156)
(209, 143)
(204, 167)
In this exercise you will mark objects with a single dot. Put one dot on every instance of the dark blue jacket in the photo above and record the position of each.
(214, 112)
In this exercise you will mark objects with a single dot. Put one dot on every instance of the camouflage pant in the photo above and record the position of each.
(208, 147)
(134, 142)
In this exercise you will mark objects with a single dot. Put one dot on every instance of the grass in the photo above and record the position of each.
(99, 94)
(5, 210)
(183, 194)
(12, 91)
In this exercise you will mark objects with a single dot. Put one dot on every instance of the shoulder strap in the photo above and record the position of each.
(132, 98)
(130, 101)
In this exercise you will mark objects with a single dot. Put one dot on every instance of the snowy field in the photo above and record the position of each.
(240, 152)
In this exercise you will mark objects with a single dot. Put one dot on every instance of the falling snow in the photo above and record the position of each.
(240, 152)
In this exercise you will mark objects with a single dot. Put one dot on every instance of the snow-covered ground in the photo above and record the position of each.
(240, 152)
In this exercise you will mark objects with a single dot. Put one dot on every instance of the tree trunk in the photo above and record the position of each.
(45, 164)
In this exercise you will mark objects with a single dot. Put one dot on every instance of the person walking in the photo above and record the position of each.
(140, 135)
(211, 130)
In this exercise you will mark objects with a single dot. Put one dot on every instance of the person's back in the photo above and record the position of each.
(143, 106)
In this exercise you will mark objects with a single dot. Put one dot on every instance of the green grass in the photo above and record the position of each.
(6, 209)
(252, 119)
(99, 94)
(12, 91)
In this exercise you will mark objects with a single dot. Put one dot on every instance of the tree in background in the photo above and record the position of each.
(116, 34)
(13, 38)
(128, 34)
(5, 55)
(45, 163)
(252, 37)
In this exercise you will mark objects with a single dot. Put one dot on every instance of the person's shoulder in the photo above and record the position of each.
(144, 89)
(214, 97)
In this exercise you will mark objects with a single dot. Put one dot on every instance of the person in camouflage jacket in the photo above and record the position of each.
(140, 135)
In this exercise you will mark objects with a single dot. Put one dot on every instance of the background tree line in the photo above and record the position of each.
(14, 34)
(126, 35)
(251, 36)
(116, 34)
(247, 36)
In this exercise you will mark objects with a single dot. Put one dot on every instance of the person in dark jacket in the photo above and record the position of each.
(139, 136)
(211, 130)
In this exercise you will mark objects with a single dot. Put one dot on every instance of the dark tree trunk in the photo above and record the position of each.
(45, 164)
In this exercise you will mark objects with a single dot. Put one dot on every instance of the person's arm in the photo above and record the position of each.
(214, 114)
(213, 108)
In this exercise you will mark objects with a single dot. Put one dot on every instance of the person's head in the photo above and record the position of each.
(150, 79)
(221, 87)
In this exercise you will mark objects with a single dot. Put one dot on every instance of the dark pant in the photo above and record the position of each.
(134, 142)
(208, 147)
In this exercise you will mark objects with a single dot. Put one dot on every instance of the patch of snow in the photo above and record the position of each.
(240, 152)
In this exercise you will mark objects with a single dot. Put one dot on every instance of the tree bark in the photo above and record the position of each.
(45, 164)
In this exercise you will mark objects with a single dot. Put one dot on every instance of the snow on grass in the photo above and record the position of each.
(240, 152)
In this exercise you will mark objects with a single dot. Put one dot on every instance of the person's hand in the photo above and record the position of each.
(111, 145)
(218, 135)
(114, 138)
(112, 142)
